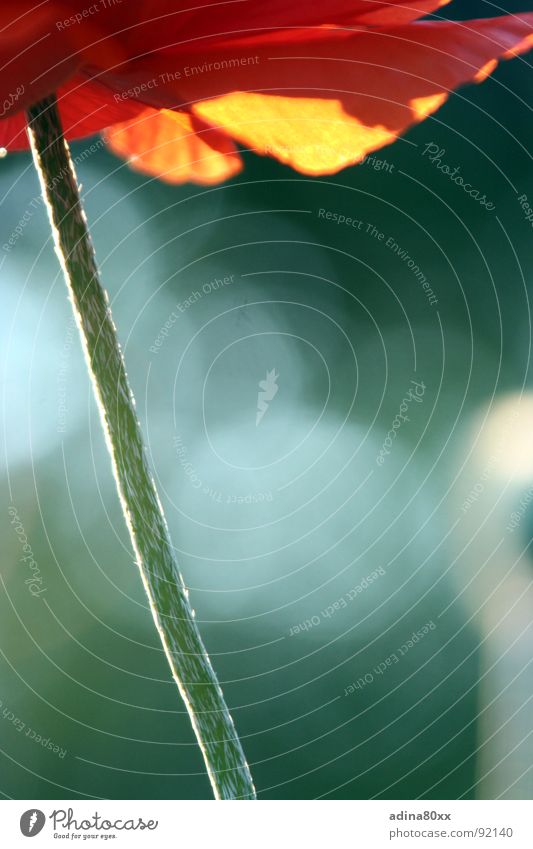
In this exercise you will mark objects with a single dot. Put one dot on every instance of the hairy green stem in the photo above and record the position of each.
(190, 665)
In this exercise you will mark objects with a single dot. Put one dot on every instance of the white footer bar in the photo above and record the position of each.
(268, 824)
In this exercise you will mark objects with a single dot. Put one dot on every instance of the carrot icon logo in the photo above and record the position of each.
(32, 822)
(268, 389)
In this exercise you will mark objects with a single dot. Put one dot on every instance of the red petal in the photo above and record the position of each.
(245, 19)
(42, 44)
(350, 93)
(86, 108)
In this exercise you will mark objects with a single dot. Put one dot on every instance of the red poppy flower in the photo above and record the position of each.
(318, 85)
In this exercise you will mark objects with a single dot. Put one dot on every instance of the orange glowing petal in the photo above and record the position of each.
(487, 69)
(522, 46)
(351, 92)
(314, 136)
(175, 147)
(424, 106)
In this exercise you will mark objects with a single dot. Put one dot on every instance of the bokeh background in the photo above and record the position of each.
(277, 525)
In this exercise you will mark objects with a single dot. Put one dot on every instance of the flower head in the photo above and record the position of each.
(317, 86)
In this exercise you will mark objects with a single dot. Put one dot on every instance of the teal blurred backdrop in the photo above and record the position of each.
(317, 540)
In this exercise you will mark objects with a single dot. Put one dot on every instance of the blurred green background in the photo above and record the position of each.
(274, 523)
